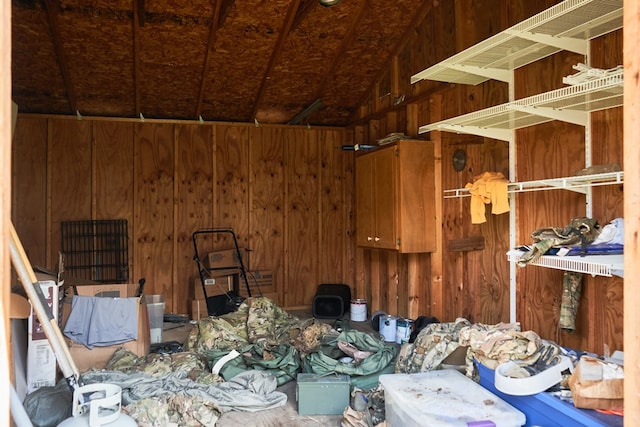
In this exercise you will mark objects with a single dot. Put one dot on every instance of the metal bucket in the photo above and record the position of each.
(403, 331)
(358, 310)
(388, 326)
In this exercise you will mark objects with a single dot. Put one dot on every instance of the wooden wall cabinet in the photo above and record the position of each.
(395, 197)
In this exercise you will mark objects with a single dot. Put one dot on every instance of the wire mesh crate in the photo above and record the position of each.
(96, 250)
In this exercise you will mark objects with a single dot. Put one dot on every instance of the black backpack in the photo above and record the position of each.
(421, 323)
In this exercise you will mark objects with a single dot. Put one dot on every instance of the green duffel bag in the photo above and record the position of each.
(282, 361)
(364, 374)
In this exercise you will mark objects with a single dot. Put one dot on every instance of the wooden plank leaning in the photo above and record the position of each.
(49, 324)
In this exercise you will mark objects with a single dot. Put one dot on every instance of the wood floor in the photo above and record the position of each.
(286, 415)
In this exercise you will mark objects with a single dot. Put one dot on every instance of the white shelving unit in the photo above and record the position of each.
(570, 104)
(570, 26)
(566, 26)
(578, 184)
(596, 265)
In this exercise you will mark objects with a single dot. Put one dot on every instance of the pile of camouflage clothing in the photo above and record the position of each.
(252, 351)
(268, 338)
(490, 345)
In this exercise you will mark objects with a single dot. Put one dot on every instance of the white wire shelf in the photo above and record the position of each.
(566, 26)
(595, 265)
(570, 104)
(578, 184)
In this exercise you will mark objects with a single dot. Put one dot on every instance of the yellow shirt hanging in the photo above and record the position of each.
(489, 187)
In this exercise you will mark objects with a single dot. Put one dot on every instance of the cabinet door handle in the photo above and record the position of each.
(377, 239)
(369, 238)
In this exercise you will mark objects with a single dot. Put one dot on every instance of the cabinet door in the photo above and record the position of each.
(415, 194)
(384, 179)
(365, 214)
(395, 197)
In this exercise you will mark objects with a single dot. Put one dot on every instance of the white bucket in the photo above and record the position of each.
(403, 332)
(358, 310)
(388, 328)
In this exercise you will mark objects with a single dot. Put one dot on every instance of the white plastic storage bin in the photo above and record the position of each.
(444, 398)
(155, 309)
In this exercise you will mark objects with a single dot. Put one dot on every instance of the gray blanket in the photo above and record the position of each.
(158, 399)
(250, 391)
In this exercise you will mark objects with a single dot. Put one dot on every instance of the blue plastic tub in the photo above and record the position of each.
(544, 409)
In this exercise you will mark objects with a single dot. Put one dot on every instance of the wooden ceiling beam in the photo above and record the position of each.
(346, 42)
(219, 14)
(140, 8)
(225, 7)
(417, 18)
(53, 6)
(138, 21)
(277, 50)
(303, 10)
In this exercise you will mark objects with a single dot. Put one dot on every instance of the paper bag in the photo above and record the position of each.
(596, 384)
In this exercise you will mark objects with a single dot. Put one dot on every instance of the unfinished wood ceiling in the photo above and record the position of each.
(222, 60)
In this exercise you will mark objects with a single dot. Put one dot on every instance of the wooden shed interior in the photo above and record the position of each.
(178, 115)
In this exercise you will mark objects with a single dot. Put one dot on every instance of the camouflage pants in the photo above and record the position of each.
(571, 290)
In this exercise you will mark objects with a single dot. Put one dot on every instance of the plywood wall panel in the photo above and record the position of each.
(336, 210)
(193, 208)
(68, 177)
(303, 219)
(170, 179)
(539, 298)
(113, 169)
(561, 146)
(474, 284)
(29, 192)
(267, 204)
(113, 176)
(153, 221)
(416, 295)
(231, 189)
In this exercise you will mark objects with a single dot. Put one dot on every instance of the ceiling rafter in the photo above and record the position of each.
(303, 10)
(140, 8)
(277, 50)
(346, 41)
(219, 14)
(53, 6)
(225, 8)
(138, 20)
(417, 18)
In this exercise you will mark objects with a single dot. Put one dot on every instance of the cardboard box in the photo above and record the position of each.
(260, 281)
(199, 309)
(596, 384)
(41, 360)
(117, 290)
(227, 258)
(216, 285)
(98, 357)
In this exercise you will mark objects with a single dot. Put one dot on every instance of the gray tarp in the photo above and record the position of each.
(250, 391)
